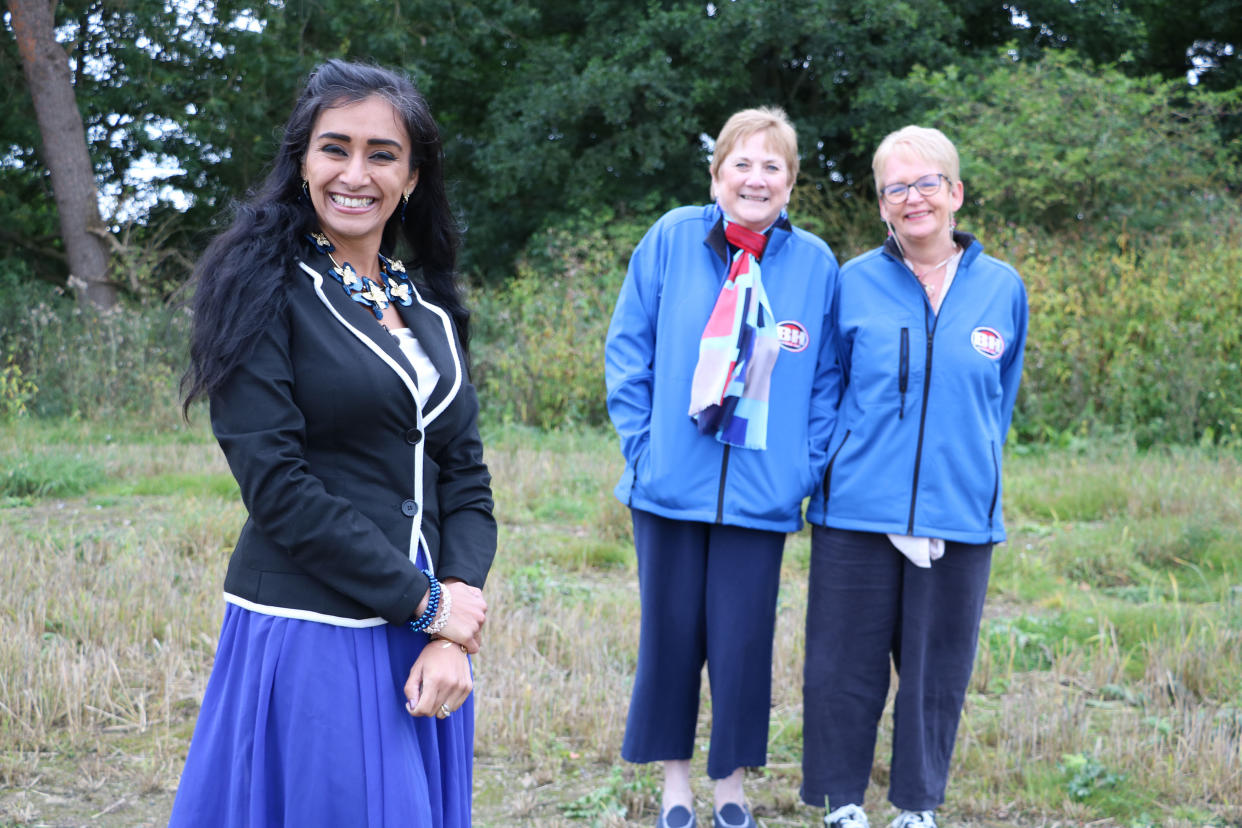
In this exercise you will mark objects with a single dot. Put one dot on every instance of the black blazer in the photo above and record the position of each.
(341, 472)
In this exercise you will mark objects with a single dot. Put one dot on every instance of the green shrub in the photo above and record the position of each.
(849, 223)
(1140, 338)
(15, 390)
(539, 354)
(1059, 144)
(1111, 195)
(1132, 336)
(68, 361)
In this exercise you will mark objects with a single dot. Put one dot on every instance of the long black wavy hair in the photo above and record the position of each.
(240, 279)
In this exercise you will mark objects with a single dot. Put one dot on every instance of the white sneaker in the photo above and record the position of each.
(915, 819)
(847, 816)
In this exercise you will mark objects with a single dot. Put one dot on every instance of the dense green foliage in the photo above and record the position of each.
(1132, 273)
(1051, 145)
(548, 108)
(58, 359)
(1134, 335)
(570, 127)
(1142, 338)
(1139, 337)
(539, 357)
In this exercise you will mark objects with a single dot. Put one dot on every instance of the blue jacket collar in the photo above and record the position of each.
(966, 241)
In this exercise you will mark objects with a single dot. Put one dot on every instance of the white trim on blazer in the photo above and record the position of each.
(416, 526)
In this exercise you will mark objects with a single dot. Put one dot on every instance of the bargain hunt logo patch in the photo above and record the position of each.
(988, 342)
(793, 337)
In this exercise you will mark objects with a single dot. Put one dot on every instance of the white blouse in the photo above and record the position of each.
(425, 373)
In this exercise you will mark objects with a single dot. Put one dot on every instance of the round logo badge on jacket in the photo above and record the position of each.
(988, 342)
(793, 336)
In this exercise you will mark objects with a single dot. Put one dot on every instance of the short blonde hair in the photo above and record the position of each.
(926, 143)
(781, 136)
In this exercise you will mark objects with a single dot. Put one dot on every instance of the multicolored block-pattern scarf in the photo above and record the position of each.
(738, 350)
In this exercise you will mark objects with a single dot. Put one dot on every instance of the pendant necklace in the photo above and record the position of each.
(394, 284)
(927, 286)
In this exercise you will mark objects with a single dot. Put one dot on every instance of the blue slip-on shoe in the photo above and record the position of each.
(678, 816)
(733, 815)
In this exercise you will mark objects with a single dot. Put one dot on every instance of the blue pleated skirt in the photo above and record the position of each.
(304, 724)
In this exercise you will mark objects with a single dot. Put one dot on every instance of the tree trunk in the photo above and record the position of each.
(46, 67)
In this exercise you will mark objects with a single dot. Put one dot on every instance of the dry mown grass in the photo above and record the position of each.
(1106, 691)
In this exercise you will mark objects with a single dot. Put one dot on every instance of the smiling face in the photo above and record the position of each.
(753, 183)
(357, 167)
(920, 219)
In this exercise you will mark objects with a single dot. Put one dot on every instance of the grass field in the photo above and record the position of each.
(1107, 690)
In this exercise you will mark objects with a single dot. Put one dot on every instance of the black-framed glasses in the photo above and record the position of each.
(927, 186)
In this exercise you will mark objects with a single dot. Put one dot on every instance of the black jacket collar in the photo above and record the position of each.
(777, 234)
(430, 324)
(962, 239)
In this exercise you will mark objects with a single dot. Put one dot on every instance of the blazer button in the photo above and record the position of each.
(412, 436)
(409, 508)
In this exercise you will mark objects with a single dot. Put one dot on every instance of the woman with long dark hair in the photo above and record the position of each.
(336, 377)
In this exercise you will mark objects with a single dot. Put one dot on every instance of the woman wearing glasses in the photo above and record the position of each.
(929, 340)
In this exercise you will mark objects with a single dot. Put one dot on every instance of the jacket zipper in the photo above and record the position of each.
(918, 451)
(724, 474)
(903, 373)
(828, 471)
(995, 487)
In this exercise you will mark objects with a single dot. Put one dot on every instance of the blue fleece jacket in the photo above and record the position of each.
(926, 398)
(652, 348)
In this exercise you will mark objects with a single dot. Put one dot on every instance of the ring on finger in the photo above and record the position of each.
(444, 712)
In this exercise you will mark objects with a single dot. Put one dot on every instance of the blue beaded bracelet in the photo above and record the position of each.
(423, 621)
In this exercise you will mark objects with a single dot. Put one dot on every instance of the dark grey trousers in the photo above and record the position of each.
(868, 604)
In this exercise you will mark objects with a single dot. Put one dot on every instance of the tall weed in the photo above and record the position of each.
(68, 361)
(1143, 338)
(540, 356)
(15, 390)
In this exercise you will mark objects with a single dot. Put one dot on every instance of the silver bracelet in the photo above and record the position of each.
(446, 606)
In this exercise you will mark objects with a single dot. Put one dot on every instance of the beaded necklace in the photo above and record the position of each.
(396, 286)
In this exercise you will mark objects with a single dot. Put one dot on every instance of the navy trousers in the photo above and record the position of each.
(867, 603)
(708, 594)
